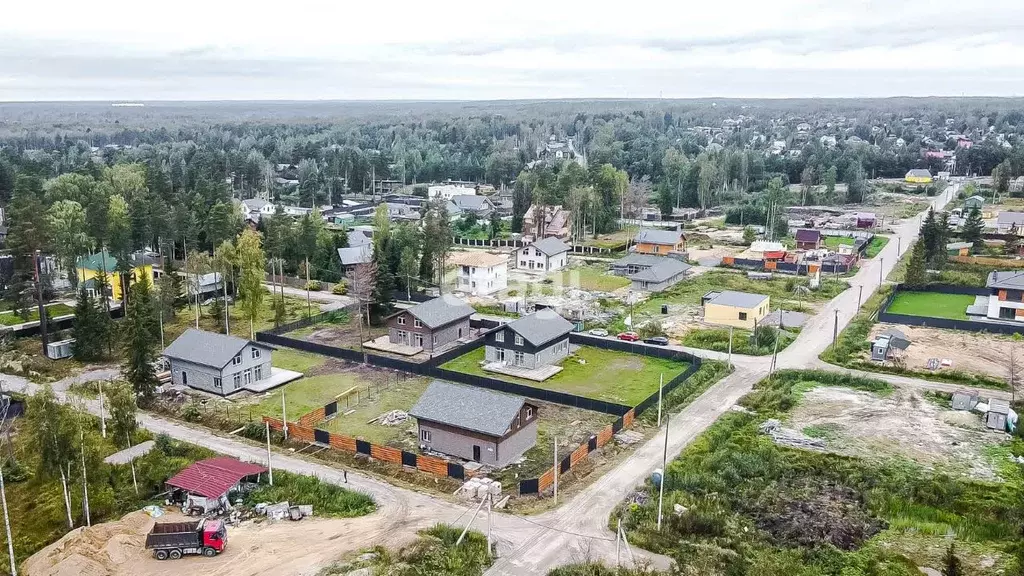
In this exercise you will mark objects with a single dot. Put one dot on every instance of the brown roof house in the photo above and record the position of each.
(555, 223)
(432, 325)
(492, 428)
(808, 240)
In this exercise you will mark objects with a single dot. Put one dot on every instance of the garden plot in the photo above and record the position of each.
(903, 425)
(972, 352)
(932, 305)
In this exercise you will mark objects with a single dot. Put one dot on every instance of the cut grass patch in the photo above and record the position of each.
(590, 277)
(52, 311)
(397, 395)
(308, 394)
(837, 241)
(603, 374)
(875, 246)
(296, 361)
(932, 305)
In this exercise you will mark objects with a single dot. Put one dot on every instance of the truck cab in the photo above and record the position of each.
(214, 535)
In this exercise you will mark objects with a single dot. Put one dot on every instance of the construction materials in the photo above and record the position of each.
(176, 539)
(392, 418)
(787, 437)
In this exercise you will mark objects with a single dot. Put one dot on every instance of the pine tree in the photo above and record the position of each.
(972, 229)
(917, 275)
(90, 329)
(929, 235)
(140, 339)
(944, 236)
(951, 564)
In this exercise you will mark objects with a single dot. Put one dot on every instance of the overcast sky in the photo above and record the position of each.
(462, 50)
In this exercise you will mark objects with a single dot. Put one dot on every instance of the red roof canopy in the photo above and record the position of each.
(213, 477)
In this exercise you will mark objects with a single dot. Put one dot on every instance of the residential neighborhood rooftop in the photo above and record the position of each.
(737, 299)
(207, 348)
(213, 477)
(361, 254)
(1005, 279)
(97, 260)
(440, 311)
(551, 246)
(541, 327)
(670, 237)
(1007, 217)
(466, 407)
(919, 173)
(661, 270)
(477, 258)
(808, 235)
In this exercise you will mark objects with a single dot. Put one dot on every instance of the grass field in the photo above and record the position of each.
(52, 311)
(875, 246)
(185, 318)
(296, 361)
(591, 277)
(397, 395)
(603, 374)
(932, 305)
(307, 394)
(834, 242)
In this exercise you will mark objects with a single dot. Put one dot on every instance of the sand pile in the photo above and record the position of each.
(93, 551)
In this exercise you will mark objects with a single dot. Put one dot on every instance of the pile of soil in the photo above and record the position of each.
(829, 513)
(92, 551)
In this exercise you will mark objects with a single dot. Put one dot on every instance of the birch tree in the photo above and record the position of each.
(251, 264)
(53, 436)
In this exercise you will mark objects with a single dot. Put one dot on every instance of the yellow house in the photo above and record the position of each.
(660, 242)
(739, 309)
(90, 266)
(918, 176)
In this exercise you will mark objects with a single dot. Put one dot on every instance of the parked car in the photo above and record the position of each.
(657, 340)
(598, 332)
(628, 336)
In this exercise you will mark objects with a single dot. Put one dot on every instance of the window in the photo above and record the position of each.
(418, 339)
(520, 357)
(519, 340)
(522, 263)
(499, 355)
(743, 315)
(217, 383)
(529, 412)
(237, 359)
(434, 340)
(401, 320)
(425, 435)
(255, 353)
(460, 332)
(499, 336)
(248, 376)
(517, 422)
(258, 373)
(536, 251)
(417, 324)
(1004, 313)
(238, 380)
(184, 378)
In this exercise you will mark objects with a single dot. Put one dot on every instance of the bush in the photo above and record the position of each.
(314, 286)
(191, 412)
(649, 329)
(340, 289)
(326, 499)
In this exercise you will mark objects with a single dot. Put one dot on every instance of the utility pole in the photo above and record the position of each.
(860, 294)
(490, 501)
(898, 246)
(730, 346)
(227, 322)
(661, 387)
(835, 332)
(7, 524)
(284, 416)
(270, 465)
(309, 309)
(618, 537)
(881, 265)
(42, 309)
(131, 460)
(103, 418)
(555, 469)
(664, 474)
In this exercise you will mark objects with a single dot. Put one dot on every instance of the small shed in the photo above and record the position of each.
(888, 344)
(866, 219)
(206, 483)
(974, 202)
(964, 400)
(998, 411)
(959, 248)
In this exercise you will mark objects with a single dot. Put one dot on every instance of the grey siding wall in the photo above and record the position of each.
(447, 334)
(511, 448)
(553, 353)
(491, 355)
(456, 444)
(199, 377)
(657, 287)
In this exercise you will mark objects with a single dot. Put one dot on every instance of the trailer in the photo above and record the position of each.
(176, 539)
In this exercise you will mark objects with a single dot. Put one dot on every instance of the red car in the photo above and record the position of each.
(628, 336)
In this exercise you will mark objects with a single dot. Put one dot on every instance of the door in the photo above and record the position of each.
(476, 453)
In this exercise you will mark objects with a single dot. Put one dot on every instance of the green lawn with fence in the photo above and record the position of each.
(932, 305)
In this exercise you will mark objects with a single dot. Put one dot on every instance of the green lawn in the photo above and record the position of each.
(717, 339)
(294, 360)
(837, 241)
(397, 395)
(932, 304)
(603, 374)
(307, 394)
(875, 246)
(592, 277)
(52, 311)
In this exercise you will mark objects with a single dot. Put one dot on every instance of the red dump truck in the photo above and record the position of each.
(175, 539)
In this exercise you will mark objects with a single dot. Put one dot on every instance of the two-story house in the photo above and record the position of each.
(530, 342)
(548, 255)
(660, 241)
(217, 363)
(432, 325)
(651, 273)
(1006, 301)
(464, 205)
(809, 240)
(480, 273)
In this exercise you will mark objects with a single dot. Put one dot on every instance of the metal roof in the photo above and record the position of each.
(1010, 218)
(213, 477)
(998, 406)
(541, 327)
(738, 299)
(208, 348)
(440, 311)
(358, 255)
(919, 173)
(468, 407)
(357, 238)
(635, 259)
(551, 246)
(670, 237)
(1005, 279)
(808, 235)
(477, 258)
(959, 245)
(471, 202)
(97, 260)
(660, 271)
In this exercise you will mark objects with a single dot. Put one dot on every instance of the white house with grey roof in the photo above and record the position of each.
(432, 325)
(217, 363)
(546, 255)
(1006, 298)
(531, 342)
(475, 424)
(651, 273)
(464, 204)
(359, 251)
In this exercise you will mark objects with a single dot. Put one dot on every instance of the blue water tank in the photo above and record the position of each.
(656, 477)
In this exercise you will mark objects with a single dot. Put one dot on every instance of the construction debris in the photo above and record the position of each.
(282, 510)
(790, 437)
(479, 488)
(629, 437)
(392, 418)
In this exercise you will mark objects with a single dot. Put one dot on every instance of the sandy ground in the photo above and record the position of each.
(281, 548)
(969, 351)
(902, 425)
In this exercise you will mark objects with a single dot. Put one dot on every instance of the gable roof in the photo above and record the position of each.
(1005, 279)
(551, 246)
(670, 237)
(959, 245)
(894, 333)
(737, 299)
(357, 238)
(213, 477)
(470, 202)
(253, 204)
(440, 311)
(665, 269)
(919, 173)
(998, 406)
(637, 259)
(361, 254)
(467, 407)
(808, 236)
(541, 327)
(208, 348)
(976, 198)
(477, 258)
(96, 261)
(1010, 218)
